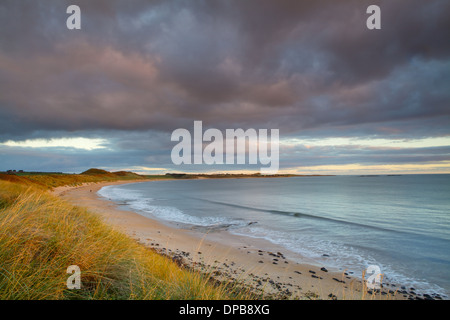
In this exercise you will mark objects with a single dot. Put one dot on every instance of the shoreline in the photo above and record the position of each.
(257, 263)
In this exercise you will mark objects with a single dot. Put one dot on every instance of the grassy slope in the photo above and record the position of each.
(47, 181)
(41, 235)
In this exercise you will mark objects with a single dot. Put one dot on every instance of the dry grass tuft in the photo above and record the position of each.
(41, 235)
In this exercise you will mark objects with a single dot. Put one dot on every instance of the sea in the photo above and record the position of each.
(400, 223)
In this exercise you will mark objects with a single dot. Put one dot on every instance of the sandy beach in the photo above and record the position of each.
(258, 263)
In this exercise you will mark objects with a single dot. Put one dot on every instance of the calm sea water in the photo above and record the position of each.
(400, 223)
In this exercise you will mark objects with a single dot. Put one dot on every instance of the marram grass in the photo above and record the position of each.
(48, 180)
(41, 235)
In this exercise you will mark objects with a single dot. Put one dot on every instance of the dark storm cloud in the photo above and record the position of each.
(161, 64)
(139, 69)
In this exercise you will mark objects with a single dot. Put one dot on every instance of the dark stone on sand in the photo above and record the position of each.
(260, 261)
(310, 271)
(298, 272)
(323, 269)
(335, 279)
(178, 260)
(332, 296)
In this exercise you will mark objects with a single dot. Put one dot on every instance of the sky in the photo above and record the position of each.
(345, 99)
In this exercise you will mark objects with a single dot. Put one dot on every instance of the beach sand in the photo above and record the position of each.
(258, 263)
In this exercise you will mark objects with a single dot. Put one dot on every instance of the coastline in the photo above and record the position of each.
(256, 262)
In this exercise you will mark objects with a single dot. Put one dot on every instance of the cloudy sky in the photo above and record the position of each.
(346, 99)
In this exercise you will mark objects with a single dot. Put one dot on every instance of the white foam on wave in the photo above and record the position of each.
(146, 207)
(340, 257)
(118, 194)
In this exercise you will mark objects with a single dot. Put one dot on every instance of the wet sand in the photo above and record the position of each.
(257, 263)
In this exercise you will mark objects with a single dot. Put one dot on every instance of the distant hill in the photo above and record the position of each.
(121, 174)
(95, 171)
(126, 174)
(52, 180)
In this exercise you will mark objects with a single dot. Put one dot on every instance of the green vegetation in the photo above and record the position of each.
(53, 180)
(41, 235)
(48, 180)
